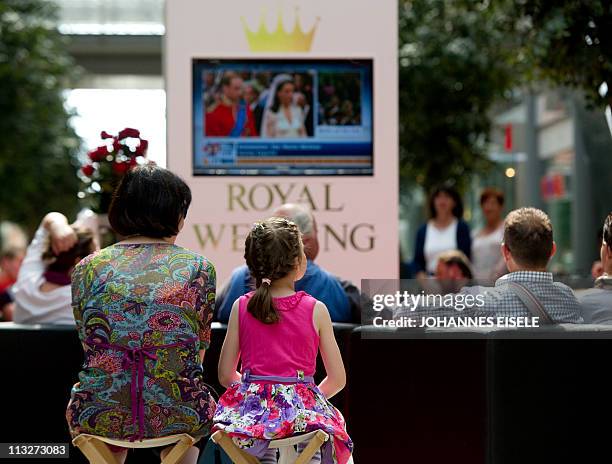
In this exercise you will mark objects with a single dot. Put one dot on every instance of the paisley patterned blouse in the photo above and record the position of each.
(142, 312)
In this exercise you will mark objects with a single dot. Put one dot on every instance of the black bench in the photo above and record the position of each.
(436, 397)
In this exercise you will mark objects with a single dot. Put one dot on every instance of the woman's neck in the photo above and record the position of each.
(443, 221)
(136, 239)
(492, 226)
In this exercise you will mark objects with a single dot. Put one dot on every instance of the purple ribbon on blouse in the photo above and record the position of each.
(133, 359)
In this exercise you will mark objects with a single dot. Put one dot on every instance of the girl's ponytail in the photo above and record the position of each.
(261, 305)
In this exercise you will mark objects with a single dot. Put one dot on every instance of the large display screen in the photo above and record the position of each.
(282, 117)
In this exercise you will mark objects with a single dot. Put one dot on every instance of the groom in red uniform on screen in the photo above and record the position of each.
(231, 117)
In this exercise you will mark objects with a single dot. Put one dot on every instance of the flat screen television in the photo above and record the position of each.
(275, 117)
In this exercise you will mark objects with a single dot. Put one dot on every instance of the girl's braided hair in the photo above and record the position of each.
(272, 250)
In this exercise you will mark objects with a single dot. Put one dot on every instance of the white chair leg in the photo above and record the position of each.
(94, 450)
(237, 455)
(314, 445)
(177, 451)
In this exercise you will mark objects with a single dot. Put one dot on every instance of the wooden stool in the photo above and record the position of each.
(288, 455)
(95, 450)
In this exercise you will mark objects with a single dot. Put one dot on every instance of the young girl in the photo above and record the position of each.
(276, 333)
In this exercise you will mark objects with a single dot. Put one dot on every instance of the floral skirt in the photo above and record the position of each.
(255, 413)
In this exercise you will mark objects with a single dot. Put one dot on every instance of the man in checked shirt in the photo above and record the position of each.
(527, 248)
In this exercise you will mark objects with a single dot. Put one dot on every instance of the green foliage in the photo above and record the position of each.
(37, 146)
(568, 42)
(454, 65)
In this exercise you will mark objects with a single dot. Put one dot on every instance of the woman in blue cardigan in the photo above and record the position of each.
(444, 231)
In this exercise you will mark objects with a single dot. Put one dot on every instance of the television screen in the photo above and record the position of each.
(282, 117)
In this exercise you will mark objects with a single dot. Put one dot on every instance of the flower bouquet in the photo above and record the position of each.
(105, 167)
(108, 163)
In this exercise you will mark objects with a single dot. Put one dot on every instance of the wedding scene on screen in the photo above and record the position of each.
(282, 117)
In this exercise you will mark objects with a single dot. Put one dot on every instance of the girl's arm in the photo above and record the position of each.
(230, 352)
(334, 367)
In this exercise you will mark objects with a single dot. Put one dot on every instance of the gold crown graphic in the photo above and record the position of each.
(279, 40)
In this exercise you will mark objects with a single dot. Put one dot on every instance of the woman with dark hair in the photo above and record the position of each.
(41, 294)
(445, 231)
(143, 309)
(283, 118)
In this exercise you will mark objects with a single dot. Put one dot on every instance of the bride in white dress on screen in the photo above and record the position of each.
(282, 117)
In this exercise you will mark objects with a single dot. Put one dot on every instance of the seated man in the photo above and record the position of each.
(453, 271)
(317, 282)
(597, 302)
(527, 248)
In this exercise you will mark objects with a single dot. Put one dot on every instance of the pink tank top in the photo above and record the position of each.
(283, 348)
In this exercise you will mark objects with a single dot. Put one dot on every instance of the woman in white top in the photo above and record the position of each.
(42, 293)
(445, 231)
(488, 262)
(282, 117)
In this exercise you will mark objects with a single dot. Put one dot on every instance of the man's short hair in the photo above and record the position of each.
(528, 235)
(227, 78)
(607, 231)
(458, 258)
(149, 201)
(12, 252)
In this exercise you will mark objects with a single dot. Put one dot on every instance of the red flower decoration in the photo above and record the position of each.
(88, 170)
(99, 154)
(128, 132)
(109, 163)
(120, 168)
(142, 148)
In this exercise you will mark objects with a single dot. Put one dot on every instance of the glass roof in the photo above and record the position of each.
(112, 17)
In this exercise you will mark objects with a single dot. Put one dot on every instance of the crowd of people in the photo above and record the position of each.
(34, 281)
(446, 230)
(277, 105)
(339, 99)
(505, 262)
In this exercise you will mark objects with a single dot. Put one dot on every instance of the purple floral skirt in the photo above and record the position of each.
(253, 413)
